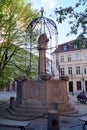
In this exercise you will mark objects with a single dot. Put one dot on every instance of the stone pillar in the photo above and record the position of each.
(53, 120)
(42, 41)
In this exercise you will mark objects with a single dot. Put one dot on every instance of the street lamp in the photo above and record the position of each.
(59, 69)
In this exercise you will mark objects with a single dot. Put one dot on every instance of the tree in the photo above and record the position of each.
(77, 18)
(14, 19)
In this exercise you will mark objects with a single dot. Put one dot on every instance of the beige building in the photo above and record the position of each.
(71, 59)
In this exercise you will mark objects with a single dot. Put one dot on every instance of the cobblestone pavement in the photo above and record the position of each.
(70, 122)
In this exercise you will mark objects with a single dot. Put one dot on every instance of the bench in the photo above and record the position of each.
(85, 120)
(14, 123)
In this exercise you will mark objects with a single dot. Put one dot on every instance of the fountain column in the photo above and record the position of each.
(42, 47)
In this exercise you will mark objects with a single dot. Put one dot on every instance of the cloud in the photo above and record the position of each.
(44, 1)
(47, 4)
(52, 4)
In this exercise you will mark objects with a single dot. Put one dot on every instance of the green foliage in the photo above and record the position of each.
(77, 17)
(18, 66)
(14, 19)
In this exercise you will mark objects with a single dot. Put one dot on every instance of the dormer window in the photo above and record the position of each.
(65, 48)
(75, 46)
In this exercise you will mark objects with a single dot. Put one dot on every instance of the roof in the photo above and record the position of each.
(71, 46)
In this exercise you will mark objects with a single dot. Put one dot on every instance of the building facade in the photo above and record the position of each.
(71, 59)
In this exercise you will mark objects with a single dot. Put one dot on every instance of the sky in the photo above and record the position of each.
(49, 7)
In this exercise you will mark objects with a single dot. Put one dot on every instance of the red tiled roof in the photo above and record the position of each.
(69, 46)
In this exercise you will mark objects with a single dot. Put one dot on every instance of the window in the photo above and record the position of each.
(69, 58)
(85, 70)
(78, 85)
(77, 69)
(62, 58)
(85, 56)
(65, 48)
(83, 45)
(62, 71)
(77, 56)
(69, 70)
(75, 46)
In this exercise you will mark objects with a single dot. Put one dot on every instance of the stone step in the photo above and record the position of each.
(41, 109)
(25, 115)
(33, 113)
(35, 107)
(70, 109)
(8, 114)
(67, 108)
(69, 113)
(32, 109)
(25, 110)
(29, 111)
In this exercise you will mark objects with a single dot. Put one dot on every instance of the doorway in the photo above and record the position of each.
(70, 86)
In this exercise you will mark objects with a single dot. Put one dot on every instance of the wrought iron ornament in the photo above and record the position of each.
(36, 28)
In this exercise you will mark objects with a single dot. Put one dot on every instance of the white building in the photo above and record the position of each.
(72, 61)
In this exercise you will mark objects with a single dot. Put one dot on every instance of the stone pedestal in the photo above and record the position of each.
(43, 93)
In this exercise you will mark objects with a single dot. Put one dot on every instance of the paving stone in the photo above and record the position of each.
(66, 122)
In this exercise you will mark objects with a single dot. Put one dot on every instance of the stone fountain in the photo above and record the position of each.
(45, 93)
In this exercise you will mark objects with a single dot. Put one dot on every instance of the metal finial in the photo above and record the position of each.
(42, 11)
